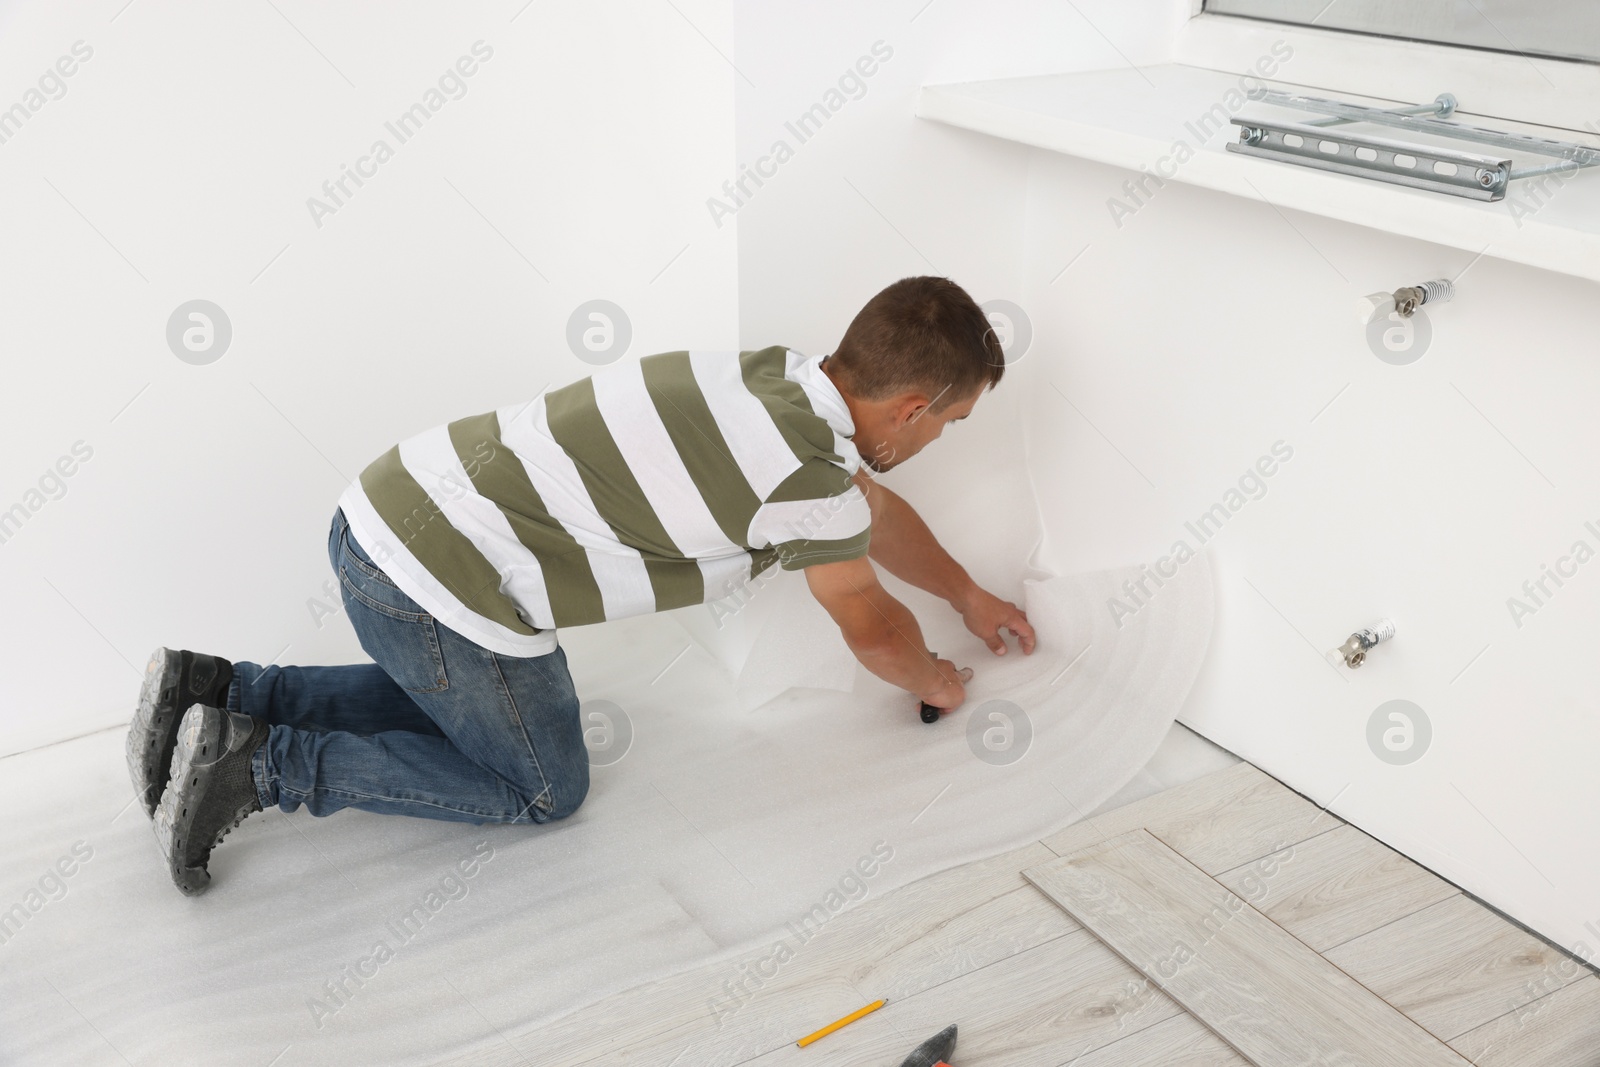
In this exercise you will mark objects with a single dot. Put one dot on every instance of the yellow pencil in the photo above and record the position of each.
(831, 1027)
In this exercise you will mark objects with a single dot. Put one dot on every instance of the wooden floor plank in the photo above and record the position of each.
(890, 945)
(1043, 1006)
(1216, 822)
(874, 1040)
(1454, 966)
(1561, 1029)
(1336, 886)
(1180, 1041)
(917, 949)
(1276, 1001)
(982, 946)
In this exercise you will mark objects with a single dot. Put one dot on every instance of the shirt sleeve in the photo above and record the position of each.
(816, 515)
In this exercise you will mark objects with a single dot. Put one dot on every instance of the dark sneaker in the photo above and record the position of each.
(210, 792)
(172, 682)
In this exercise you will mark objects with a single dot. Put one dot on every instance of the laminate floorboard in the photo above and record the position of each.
(1216, 822)
(1181, 1041)
(1260, 989)
(1341, 951)
(890, 946)
(1561, 1029)
(1336, 886)
(1043, 1006)
(1455, 965)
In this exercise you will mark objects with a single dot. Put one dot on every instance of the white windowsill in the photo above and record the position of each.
(1121, 118)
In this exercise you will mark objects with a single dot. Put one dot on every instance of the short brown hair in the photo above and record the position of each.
(923, 333)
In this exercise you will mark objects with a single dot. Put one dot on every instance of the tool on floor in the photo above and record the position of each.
(930, 713)
(935, 1051)
(831, 1027)
(1354, 649)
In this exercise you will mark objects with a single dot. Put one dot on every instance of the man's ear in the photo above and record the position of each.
(907, 409)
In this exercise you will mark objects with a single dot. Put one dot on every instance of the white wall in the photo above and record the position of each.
(878, 195)
(1427, 493)
(178, 165)
(1205, 329)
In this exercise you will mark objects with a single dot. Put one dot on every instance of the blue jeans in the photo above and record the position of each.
(438, 727)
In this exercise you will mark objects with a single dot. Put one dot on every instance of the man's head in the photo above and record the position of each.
(915, 358)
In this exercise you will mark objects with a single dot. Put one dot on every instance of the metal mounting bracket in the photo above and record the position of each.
(1478, 177)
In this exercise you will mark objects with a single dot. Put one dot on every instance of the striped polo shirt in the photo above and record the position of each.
(651, 484)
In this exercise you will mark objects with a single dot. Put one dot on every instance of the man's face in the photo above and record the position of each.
(905, 428)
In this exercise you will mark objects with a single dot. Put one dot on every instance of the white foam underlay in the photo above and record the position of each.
(727, 818)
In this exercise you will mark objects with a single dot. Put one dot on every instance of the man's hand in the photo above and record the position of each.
(986, 615)
(952, 690)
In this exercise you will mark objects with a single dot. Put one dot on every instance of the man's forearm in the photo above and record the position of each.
(891, 646)
(906, 548)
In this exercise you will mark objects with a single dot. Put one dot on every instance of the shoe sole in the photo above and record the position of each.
(200, 746)
(153, 733)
